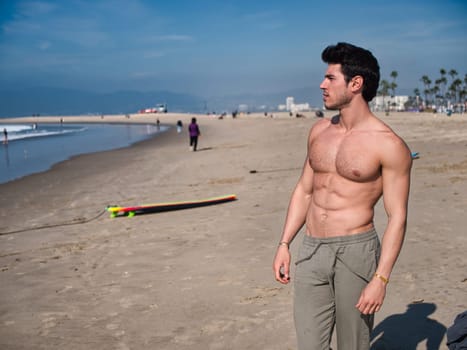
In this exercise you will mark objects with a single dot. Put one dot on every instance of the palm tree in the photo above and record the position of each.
(443, 80)
(456, 88)
(453, 73)
(464, 90)
(384, 90)
(427, 82)
(435, 92)
(438, 82)
(393, 84)
(463, 94)
(452, 89)
(416, 92)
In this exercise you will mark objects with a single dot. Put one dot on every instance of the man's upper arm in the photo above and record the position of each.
(396, 165)
(306, 179)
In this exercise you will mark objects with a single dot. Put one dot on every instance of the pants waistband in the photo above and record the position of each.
(332, 242)
(347, 239)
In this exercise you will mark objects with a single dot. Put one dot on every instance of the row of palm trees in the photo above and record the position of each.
(444, 93)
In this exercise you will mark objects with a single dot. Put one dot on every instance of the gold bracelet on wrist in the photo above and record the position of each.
(382, 278)
(284, 243)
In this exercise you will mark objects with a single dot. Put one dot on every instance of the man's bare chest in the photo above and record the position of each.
(352, 157)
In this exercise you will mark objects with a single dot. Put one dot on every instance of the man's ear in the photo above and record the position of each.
(356, 83)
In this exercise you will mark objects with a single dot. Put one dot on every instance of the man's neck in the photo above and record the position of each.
(354, 114)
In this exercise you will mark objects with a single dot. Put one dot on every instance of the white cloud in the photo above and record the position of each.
(261, 16)
(154, 54)
(143, 75)
(44, 45)
(35, 8)
(172, 37)
(266, 20)
(21, 27)
(33, 21)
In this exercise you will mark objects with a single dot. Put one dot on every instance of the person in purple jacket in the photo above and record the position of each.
(193, 130)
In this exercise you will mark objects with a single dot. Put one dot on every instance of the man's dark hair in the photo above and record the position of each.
(355, 61)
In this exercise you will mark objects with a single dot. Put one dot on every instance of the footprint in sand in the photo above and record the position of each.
(112, 326)
(261, 294)
(115, 327)
(125, 303)
(50, 320)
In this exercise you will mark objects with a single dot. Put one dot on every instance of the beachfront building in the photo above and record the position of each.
(395, 103)
(291, 106)
(301, 107)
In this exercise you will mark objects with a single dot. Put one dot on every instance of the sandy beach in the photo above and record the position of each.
(74, 278)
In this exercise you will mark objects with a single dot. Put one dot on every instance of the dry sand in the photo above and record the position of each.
(202, 278)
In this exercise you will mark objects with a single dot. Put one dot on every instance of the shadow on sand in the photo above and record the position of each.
(405, 331)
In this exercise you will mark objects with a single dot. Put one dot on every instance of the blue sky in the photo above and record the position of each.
(216, 47)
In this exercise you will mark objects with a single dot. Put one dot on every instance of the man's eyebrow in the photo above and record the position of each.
(329, 76)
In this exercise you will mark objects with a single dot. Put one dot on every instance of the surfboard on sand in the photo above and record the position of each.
(168, 206)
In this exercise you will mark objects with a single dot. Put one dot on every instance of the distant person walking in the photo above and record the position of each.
(179, 126)
(5, 136)
(194, 132)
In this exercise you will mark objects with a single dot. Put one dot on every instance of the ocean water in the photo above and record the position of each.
(36, 148)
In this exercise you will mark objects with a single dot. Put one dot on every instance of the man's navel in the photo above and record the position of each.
(323, 217)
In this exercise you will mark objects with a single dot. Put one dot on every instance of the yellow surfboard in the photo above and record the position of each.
(168, 206)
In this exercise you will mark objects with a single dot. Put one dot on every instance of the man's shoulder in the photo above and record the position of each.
(392, 148)
(386, 133)
(321, 124)
(318, 128)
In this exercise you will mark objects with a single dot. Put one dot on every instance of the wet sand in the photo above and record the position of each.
(74, 278)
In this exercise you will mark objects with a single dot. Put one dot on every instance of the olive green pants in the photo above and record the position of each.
(330, 275)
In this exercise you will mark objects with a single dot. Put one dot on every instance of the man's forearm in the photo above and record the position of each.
(391, 246)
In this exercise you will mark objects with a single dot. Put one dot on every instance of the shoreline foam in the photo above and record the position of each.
(31, 151)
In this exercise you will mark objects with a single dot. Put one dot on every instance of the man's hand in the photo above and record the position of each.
(372, 297)
(281, 265)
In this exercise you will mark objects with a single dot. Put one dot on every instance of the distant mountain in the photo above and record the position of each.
(60, 101)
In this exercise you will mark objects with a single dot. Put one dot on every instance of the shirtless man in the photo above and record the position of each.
(353, 159)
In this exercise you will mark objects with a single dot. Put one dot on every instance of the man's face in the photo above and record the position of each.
(336, 93)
